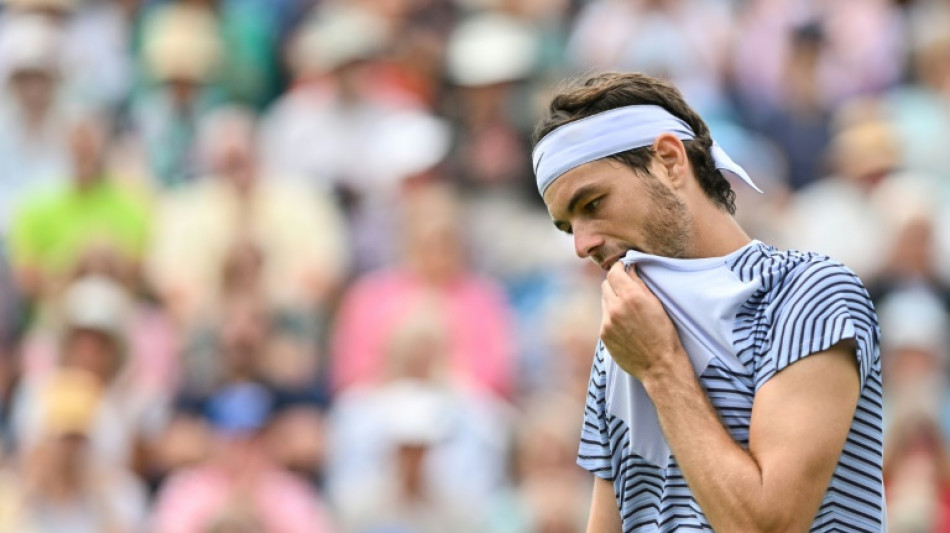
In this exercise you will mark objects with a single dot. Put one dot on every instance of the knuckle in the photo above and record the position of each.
(615, 309)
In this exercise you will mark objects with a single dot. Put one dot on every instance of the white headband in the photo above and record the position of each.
(611, 132)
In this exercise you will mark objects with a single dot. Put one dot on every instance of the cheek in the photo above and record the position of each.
(624, 223)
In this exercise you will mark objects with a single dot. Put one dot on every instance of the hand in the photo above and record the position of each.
(635, 328)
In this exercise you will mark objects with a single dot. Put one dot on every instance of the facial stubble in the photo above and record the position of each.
(669, 224)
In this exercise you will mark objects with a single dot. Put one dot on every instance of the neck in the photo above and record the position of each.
(716, 233)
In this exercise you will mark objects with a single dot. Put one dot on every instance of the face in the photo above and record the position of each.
(87, 145)
(70, 450)
(610, 209)
(34, 89)
(94, 351)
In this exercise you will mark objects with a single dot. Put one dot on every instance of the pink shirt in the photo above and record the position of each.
(192, 500)
(476, 313)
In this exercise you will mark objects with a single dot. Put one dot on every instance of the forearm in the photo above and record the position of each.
(604, 513)
(724, 478)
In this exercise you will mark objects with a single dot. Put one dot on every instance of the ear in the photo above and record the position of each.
(671, 154)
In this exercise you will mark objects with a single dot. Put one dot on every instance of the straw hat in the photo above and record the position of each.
(182, 43)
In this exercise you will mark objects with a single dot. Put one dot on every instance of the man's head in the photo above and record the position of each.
(95, 323)
(227, 142)
(30, 46)
(639, 198)
(69, 404)
(88, 135)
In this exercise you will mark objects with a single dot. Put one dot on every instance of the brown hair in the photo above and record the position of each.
(603, 92)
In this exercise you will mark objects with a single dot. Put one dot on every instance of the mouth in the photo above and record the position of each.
(607, 263)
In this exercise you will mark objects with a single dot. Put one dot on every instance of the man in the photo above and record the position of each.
(93, 217)
(736, 387)
(57, 483)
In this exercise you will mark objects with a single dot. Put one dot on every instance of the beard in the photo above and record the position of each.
(669, 224)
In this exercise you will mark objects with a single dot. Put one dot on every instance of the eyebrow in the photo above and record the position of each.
(578, 195)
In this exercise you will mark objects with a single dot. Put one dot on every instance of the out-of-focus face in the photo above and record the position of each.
(87, 146)
(94, 351)
(244, 333)
(182, 91)
(34, 89)
(228, 140)
(914, 248)
(69, 450)
(436, 250)
(610, 209)
(236, 161)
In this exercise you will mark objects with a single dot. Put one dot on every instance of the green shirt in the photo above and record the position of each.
(53, 229)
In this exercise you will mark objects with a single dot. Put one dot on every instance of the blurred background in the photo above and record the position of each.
(281, 266)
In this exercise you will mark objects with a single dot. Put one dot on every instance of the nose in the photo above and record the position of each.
(586, 242)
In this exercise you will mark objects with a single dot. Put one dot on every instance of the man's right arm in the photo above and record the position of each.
(604, 514)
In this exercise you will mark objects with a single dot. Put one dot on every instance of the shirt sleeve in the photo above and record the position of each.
(817, 305)
(594, 453)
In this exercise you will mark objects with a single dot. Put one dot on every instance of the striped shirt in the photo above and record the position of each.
(805, 303)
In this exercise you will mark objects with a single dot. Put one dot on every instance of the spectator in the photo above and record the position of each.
(95, 316)
(181, 56)
(59, 485)
(343, 127)
(239, 483)
(96, 34)
(404, 497)
(318, 131)
(434, 266)
(247, 30)
(300, 234)
(33, 146)
(799, 120)
(464, 431)
(916, 356)
(683, 40)
(570, 329)
(865, 154)
(488, 58)
(911, 205)
(918, 107)
(57, 229)
(548, 491)
(916, 477)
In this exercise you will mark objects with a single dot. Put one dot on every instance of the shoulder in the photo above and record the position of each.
(43, 201)
(811, 303)
(808, 279)
(790, 274)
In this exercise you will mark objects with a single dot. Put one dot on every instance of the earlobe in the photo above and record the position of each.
(672, 155)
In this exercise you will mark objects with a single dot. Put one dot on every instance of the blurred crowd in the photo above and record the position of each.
(280, 266)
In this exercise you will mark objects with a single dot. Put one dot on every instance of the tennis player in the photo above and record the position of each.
(736, 387)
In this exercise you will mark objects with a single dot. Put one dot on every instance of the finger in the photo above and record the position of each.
(609, 296)
(634, 276)
(619, 280)
(608, 301)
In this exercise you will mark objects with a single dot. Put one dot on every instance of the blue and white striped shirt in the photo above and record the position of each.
(805, 303)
